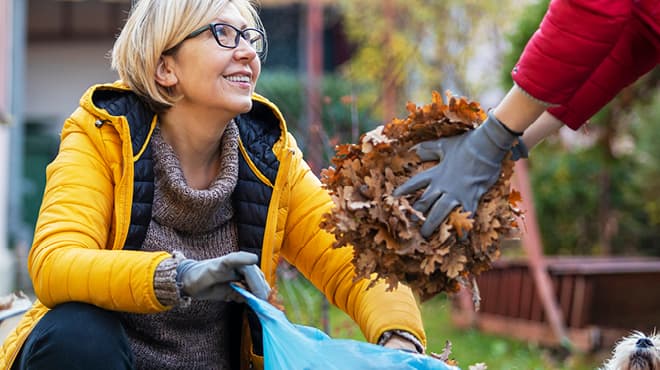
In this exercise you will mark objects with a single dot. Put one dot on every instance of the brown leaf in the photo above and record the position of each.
(453, 265)
(515, 197)
(444, 355)
(274, 299)
(383, 236)
(430, 262)
(461, 222)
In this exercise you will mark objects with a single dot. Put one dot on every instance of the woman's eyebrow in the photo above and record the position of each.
(239, 25)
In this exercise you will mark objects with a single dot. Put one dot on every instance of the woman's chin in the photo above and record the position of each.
(246, 107)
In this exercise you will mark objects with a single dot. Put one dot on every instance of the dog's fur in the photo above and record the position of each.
(635, 352)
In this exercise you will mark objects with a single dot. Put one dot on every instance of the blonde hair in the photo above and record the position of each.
(156, 26)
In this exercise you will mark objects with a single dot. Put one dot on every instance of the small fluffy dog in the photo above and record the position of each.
(635, 352)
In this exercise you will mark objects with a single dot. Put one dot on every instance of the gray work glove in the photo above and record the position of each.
(209, 279)
(470, 164)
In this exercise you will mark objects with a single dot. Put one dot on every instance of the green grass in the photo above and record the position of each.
(303, 306)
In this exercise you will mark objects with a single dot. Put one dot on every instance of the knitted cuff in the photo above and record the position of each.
(165, 286)
(403, 334)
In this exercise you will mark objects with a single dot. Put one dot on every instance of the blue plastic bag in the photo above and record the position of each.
(289, 346)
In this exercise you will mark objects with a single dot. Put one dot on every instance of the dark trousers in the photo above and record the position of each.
(76, 336)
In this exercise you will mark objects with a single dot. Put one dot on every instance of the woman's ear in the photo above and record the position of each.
(165, 75)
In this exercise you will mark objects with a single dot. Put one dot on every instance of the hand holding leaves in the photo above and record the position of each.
(469, 165)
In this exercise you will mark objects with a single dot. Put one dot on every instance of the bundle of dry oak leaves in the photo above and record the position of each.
(385, 230)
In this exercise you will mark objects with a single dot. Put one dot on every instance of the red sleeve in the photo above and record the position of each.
(633, 56)
(572, 40)
(648, 11)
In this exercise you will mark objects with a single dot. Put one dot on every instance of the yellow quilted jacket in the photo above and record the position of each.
(79, 254)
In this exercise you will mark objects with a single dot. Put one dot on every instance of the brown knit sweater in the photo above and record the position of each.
(197, 224)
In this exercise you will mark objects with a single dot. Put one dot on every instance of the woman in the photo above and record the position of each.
(169, 185)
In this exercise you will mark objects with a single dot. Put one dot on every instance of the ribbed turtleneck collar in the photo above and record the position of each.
(189, 210)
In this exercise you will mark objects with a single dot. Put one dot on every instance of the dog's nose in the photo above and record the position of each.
(644, 343)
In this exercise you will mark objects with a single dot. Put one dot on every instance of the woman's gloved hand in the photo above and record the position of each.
(469, 165)
(209, 279)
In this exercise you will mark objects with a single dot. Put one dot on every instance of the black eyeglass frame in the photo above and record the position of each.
(240, 34)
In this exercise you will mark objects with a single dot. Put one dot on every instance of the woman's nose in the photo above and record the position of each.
(245, 50)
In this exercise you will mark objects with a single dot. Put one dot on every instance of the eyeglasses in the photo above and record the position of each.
(229, 36)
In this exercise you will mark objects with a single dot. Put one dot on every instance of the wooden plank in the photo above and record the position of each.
(578, 309)
(486, 290)
(515, 285)
(506, 296)
(503, 293)
(500, 303)
(588, 265)
(537, 307)
(493, 284)
(566, 294)
(526, 296)
(607, 265)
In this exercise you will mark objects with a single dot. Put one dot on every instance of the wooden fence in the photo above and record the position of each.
(601, 299)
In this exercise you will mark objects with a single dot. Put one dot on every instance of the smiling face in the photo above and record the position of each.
(209, 76)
